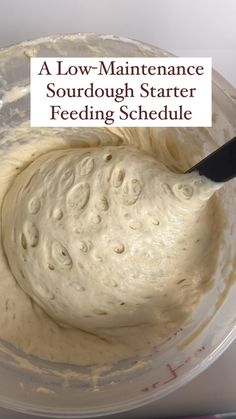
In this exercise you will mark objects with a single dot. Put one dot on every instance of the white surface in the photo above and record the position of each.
(184, 27)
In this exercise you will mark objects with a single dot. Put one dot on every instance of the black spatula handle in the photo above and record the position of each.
(220, 165)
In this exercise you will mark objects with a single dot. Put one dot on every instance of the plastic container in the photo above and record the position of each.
(31, 385)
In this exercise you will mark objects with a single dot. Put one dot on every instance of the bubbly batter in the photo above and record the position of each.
(111, 244)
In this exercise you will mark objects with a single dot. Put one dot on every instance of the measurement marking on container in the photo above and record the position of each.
(172, 370)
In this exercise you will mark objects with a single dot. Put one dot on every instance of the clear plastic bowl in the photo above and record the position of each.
(31, 385)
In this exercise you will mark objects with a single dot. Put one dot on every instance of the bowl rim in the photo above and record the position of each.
(141, 400)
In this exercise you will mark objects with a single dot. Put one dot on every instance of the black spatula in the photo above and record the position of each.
(220, 165)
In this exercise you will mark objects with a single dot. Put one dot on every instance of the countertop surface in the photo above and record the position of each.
(185, 28)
